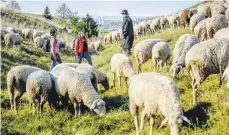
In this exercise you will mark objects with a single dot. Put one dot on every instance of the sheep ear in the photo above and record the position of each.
(93, 105)
(185, 119)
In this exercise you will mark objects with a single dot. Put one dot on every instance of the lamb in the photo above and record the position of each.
(206, 58)
(185, 18)
(222, 33)
(157, 93)
(217, 9)
(40, 86)
(12, 39)
(214, 24)
(39, 42)
(121, 66)
(143, 51)
(16, 79)
(226, 76)
(183, 44)
(77, 87)
(204, 9)
(37, 34)
(200, 30)
(195, 19)
(160, 54)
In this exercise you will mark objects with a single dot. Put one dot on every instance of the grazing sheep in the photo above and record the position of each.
(46, 36)
(214, 24)
(200, 30)
(138, 31)
(204, 9)
(37, 34)
(16, 79)
(28, 34)
(143, 51)
(103, 79)
(217, 9)
(160, 54)
(83, 68)
(77, 87)
(12, 39)
(115, 38)
(92, 51)
(18, 32)
(222, 33)
(183, 44)
(11, 29)
(185, 18)
(195, 19)
(121, 66)
(193, 10)
(156, 93)
(155, 24)
(144, 27)
(108, 39)
(39, 42)
(39, 86)
(173, 20)
(3, 33)
(62, 43)
(163, 22)
(206, 58)
(226, 76)
(98, 45)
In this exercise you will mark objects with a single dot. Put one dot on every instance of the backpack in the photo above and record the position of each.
(73, 46)
(47, 45)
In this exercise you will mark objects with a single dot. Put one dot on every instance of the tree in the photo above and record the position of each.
(13, 5)
(63, 12)
(46, 13)
(74, 22)
(88, 26)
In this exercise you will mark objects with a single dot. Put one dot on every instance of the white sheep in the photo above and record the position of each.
(183, 44)
(200, 30)
(92, 51)
(195, 19)
(217, 9)
(27, 34)
(39, 42)
(155, 24)
(174, 20)
(16, 79)
(98, 45)
(121, 66)
(3, 33)
(40, 86)
(156, 93)
(115, 39)
(226, 76)
(204, 9)
(222, 33)
(163, 22)
(160, 54)
(214, 24)
(12, 39)
(143, 51)
(11, 29)
(77, 87)
(206, 58)
(38, 34)
(193, 10)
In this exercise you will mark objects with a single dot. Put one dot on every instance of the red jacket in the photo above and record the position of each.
(79, 48)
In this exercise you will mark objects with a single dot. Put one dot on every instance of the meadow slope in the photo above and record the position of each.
(210, 116)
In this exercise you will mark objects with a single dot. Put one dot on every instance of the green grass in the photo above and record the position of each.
(210, 116)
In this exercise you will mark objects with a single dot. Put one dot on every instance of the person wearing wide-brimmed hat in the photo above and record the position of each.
(127, 33)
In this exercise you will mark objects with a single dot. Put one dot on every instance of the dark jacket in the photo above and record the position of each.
(127, 33)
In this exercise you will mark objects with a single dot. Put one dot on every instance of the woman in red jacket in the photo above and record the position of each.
(81, 49)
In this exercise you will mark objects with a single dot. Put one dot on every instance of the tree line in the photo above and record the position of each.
(69, 17)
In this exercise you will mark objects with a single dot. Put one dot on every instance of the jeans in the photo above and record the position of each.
(53, 62)
(85, 55)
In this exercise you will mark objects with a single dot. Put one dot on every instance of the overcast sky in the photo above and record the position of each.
(110, 8)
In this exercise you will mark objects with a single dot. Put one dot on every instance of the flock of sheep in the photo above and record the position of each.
(203, 53)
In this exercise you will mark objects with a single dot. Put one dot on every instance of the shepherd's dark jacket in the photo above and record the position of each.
(127, 33)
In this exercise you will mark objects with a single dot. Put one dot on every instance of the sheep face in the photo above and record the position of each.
(99, 107)
(175, 126)
(105, 83)
(176, 70)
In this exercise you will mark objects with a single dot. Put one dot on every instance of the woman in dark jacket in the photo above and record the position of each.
(81, 49)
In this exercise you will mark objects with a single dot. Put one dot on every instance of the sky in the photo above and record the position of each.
(110, 8)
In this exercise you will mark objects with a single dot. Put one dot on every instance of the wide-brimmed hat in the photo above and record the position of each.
(124, 11)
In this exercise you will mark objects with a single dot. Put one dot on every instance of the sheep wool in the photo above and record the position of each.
(200, 30)
(222, 33)
(195, 19)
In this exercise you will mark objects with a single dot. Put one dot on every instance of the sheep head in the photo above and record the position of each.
(99, 107)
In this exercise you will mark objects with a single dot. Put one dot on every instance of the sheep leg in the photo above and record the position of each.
(11, 94)
(144, 111)
(16, 98)
(220, 80)
(134, 112)
(126, 84)
(75, 108)
(79, 109)
(139, 68)
(34, 108)
(194, 96)
(114, 79)
(42, 105)
(151, 125)
(119, 82)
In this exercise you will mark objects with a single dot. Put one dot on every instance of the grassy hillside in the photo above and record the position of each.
(210, 116)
